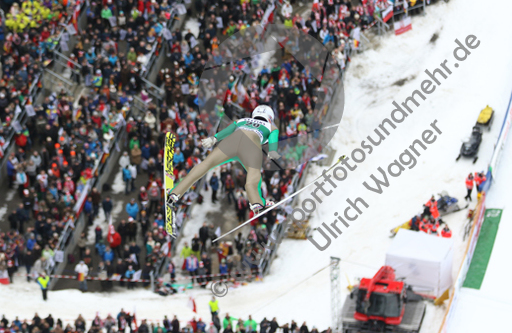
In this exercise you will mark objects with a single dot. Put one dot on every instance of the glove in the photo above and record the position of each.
(273, 155)
(209, 142)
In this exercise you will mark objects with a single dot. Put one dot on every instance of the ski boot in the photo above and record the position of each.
(172, 200)
(257, 208)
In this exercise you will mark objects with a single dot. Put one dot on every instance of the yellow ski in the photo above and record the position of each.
(170, 139)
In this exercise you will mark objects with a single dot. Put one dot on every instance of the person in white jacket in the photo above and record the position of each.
(287, 9)
(124, 160)
(133, 171)
(82, 271)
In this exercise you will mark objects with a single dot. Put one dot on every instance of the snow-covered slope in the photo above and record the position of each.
(492, 299)
(296, 288)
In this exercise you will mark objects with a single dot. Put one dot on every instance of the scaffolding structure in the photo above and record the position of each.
(335, 295)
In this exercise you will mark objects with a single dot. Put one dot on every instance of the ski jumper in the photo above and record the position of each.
(241, 141)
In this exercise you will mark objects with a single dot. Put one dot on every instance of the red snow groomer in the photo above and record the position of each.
(383, 304)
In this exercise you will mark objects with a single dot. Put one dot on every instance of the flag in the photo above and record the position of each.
(77, 113)
(268, 17)
(356, 35)
(192, 304)
(403, 25)
(136, 327)
(240, 95)
(4, 277)
(137, 275)
(387, 14)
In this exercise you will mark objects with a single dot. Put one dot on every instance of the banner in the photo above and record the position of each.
(403, 25)
(356, 35)
(387, 14)
(468, 255)
(59, 256)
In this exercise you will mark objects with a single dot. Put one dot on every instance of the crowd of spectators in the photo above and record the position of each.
(28, 36)
(126, 322)
(112, 52)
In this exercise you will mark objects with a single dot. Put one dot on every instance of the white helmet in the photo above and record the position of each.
(265, 112)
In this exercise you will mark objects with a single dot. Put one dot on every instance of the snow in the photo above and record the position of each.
(193, 25)
(298, 286)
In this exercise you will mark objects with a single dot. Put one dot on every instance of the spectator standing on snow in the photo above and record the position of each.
(122, 229)
(214, 307)
(132, 208)
(214, 183)
(43, 281)
(175, 325)
(479, 180)
(192, 265)
(132, 229)
(107, 207)
(201, 271)
(230, 188)
(196, 246)
(228, 320)
(469, 186)
(154, 196)
(124, 160)
(432, 205)
(129, 275)
(185, 253)
(96, 200)
(241, 207)
(133, 172)
(250, 325)
(264, 325)
(446, 232)
(223, 269)
(203, 236)
(82, 271)
(273, 326)
(304, 328)
(127, 178)
(82, 242)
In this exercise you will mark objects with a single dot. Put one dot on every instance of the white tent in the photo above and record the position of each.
(425, 261)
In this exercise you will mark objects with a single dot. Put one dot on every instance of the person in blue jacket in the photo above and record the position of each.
(214, 183)
(223, 269)
(11, 171)
(132, 208)
(127, 177)
(108, 255)
(129, 275)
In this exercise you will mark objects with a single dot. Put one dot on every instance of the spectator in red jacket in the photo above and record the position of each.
(479, 180)
(469, 186)
(432, 204)
(424, 226)
(446, 232)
